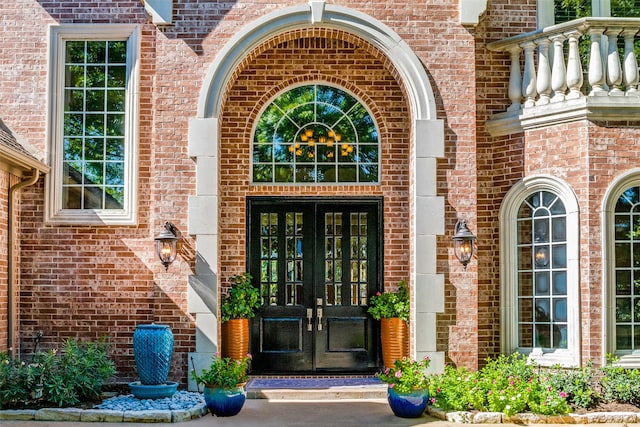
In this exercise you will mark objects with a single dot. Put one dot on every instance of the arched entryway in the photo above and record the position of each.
(217, 136)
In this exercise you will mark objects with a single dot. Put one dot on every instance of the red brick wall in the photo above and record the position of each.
(5, 183)
(93, 281)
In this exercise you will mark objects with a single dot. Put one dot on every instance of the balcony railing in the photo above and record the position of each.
(553, 87)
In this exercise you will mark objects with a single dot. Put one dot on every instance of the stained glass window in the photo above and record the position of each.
(316, 134)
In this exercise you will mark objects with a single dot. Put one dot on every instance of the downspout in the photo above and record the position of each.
(11, 286)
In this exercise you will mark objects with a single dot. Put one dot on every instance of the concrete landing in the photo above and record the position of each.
(316, 388)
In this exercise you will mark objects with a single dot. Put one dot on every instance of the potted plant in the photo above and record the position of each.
(237, 307)
(408, 386)
(225, 384)
(392, 309)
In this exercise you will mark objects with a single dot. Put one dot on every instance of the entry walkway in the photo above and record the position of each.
(281, 413)
(284, 413)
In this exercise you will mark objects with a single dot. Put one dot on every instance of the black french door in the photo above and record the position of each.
(317, 263)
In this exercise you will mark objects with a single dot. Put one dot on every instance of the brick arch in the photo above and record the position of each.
(407, 114)
(318, 37)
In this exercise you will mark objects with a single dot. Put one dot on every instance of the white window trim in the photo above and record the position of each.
(630, 178)
(546, 16)
(569, 357)
(59, 34)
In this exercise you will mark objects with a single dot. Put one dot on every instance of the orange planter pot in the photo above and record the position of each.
(394, 333)
(235, 338)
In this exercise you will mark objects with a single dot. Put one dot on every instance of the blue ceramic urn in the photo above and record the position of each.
(152, 350)
(408, 405)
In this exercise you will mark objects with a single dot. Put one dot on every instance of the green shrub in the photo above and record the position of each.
(545, 399)
(387, 305)
(578, 384)
(62, 378)
(18, 380)
(242, 301)
(620, 384)
(507, 384)
(457, 389)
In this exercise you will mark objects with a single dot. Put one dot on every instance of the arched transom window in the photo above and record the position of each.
(316, 134)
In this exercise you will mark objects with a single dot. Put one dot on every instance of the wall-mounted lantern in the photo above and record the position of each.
(167, 244)
(463, 243)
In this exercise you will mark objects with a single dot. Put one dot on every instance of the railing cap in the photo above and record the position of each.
(566, 28)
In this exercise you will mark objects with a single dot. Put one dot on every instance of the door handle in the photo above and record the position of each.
(309, 317)
(319, 312)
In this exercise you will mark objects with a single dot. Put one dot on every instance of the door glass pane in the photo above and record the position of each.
(295, 275)
(332, 258)
(359, 273)
(269, 258)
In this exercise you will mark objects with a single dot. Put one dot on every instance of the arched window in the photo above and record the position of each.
(315, 134)
(621, 219)
(627, 270)
(540, 272)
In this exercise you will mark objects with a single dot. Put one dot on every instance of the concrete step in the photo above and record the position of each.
(316, 388)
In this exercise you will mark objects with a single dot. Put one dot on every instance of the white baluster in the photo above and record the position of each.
(574, 67)
(614, 69)
(631, 76)
(596, 69)
(543, 84)
(515, 80)
(529, 76)
(559, 71)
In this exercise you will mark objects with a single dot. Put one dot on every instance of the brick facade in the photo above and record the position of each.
(93, 281)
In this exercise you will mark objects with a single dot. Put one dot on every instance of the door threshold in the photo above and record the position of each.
(316, 387)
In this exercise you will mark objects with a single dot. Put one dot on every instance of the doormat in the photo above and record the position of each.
(311, 383)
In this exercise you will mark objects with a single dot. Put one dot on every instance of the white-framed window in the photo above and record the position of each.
(316, 133)
(621, 219)
(539, 272)
(552, 12)
(93, 116)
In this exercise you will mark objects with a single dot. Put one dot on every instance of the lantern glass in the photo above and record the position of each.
(463, 242)
(166, 250)
(167, 245)
(463, 249)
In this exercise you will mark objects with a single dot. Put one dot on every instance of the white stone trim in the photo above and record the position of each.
(399, 53)
(160, 11)
(54, 214)
(427, 208)
(471, 11)
(508, 272)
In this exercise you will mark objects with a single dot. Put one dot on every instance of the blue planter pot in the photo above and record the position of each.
(152, 350)
(408, 405)
(224, 402)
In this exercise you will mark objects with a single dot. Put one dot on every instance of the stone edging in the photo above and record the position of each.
(104, 415)
(463, 417)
